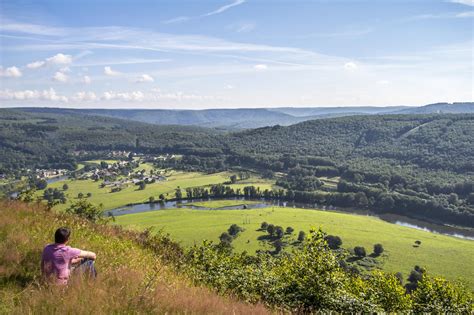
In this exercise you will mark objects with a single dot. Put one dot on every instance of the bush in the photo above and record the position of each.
(301, 236)
(279, 232)
(359, 251)
(439, 296)
(271, 229)
(264, 226)
(226, 238)
(289, 230)
(86, 210)
(334, 242)
(234, 229)
(378, 249)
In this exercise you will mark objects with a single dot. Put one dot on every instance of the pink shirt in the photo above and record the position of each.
(56, 260)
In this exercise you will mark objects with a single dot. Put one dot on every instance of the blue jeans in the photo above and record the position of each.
(86, 267)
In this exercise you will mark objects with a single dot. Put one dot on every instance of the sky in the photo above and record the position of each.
(235, 53)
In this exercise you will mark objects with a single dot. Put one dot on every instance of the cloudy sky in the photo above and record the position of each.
(235, 53)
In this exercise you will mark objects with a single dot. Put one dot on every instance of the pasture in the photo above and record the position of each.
(441, 255)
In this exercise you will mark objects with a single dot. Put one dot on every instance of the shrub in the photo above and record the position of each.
(86, 210)
(289, 230)
(439, 296)
(334, 242)
(234, 229)
(378, 249)
(279, 232)
(264, 226)
(225, 238)
(271, 229)
(301, 236)
(359, 251)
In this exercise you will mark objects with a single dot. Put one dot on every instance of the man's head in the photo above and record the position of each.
(62, 235)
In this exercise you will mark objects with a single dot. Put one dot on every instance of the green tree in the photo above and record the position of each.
(178, 193)
(378, 249)
(359, 251)
(85, 209)
(301, 236)
(334, 242)
(289, 230)
(65, 187)
(264, 226)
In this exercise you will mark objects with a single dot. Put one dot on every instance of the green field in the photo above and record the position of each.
(131, 193)
(441, 255)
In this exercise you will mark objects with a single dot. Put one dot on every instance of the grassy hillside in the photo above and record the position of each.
(441, 255)
(131, 279)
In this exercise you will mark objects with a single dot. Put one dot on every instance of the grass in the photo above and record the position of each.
(441, 255)
(222, 203)
(132, 280)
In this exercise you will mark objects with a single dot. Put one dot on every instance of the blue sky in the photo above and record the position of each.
(235, 53)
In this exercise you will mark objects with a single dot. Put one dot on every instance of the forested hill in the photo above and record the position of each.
(243, 118)
(419, 165)
(428, 141)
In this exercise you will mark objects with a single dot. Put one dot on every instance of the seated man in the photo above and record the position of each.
(58, 259)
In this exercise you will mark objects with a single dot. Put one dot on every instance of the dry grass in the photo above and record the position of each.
(131, 279)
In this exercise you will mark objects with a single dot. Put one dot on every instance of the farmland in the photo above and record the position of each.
(453, 256)
(132, 194)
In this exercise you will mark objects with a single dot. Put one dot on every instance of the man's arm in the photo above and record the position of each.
(86, 254)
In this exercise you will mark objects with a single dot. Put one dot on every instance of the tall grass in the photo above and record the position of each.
(131, 279)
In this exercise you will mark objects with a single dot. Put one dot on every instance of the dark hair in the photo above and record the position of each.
(61, 235)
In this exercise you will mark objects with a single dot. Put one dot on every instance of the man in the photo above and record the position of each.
(58, 259)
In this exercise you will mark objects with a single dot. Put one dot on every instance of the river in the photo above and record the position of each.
(463, 233)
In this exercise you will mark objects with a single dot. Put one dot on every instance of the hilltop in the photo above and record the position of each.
(244, 118)
(131, 277)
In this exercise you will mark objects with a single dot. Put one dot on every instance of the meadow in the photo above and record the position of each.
(132, 194)
(440, 255)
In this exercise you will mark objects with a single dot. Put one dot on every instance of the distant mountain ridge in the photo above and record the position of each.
(246, 118)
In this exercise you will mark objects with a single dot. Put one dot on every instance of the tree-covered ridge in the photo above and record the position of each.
(434, 141)
(417, 165)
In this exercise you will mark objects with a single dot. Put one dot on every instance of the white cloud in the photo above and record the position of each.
(350, 66)
(56, 60)
(383, 82)
(60, 77)
(224, 8)
(144, 78)
(108, 71)
(85, 96)
(86, 79)
(45, 95)
(59, 59)
(229, 87)
(10, 72)
(260, 67)
(35, 64)
(219, 10)
(178, 19)
(244, 27)
(465, 2)
(124, 96)
(467, 14)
